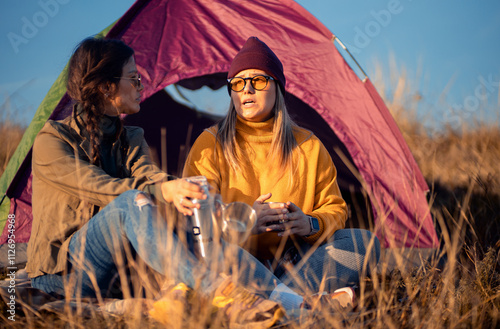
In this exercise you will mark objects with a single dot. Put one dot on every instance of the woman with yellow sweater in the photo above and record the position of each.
(259, 156)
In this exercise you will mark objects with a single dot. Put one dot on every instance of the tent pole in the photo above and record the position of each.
(335, 38)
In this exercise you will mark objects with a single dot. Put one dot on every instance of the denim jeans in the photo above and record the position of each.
(340, 262)
(130, 226)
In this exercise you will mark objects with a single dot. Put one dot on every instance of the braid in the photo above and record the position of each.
(92, 103)
(92, 127)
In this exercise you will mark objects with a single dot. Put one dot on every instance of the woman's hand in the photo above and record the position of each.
(269, 214)
(181, 192)
(296, 222)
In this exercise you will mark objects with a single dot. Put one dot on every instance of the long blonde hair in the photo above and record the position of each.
(282, 145)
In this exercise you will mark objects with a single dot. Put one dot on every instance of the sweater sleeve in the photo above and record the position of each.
(329, 207)
(202, 160)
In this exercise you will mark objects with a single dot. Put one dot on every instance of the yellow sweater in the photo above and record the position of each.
(315, 189)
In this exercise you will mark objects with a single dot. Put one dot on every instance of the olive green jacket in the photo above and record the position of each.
(68, 190)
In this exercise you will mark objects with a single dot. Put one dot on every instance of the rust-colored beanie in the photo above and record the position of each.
(255, 54)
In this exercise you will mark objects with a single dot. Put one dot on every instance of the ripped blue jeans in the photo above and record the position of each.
(128, 227)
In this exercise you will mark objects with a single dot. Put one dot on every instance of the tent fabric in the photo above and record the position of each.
(177, 40)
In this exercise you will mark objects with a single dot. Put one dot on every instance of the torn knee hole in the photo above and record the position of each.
(142, 200)
(140, 197)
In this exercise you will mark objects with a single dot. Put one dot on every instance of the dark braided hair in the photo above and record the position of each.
(95, 63)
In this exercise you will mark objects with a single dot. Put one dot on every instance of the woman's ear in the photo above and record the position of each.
(108, 90)
(104, 89)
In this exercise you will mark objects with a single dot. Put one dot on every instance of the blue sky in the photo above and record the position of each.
(449, 49)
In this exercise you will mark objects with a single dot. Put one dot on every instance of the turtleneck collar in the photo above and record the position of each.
(110, 127)
(264, 128)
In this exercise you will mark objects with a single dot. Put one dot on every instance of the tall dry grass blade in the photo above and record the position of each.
(164, 165)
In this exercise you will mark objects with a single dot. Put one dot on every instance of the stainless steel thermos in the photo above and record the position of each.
(215, 220)
(202, 221)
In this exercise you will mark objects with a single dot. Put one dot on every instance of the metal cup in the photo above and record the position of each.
(238, 219)
(279, 221)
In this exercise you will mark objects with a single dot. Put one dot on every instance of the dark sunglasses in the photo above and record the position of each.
(259, 82)
(136, 81)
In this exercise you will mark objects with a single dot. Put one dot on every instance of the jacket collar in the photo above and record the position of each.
(76, 122)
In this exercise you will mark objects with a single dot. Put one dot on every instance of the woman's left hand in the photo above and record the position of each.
(296, 222)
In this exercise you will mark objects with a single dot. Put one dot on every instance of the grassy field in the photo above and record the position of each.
(459, 289)
(11, 133)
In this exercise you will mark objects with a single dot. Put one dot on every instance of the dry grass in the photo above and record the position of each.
(11, 133)
(460, 165)
(458, 289)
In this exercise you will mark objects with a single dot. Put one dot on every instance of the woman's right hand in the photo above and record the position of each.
(181, 192)
(271, 216)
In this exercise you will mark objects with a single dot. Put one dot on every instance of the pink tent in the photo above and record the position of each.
(192, 42)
